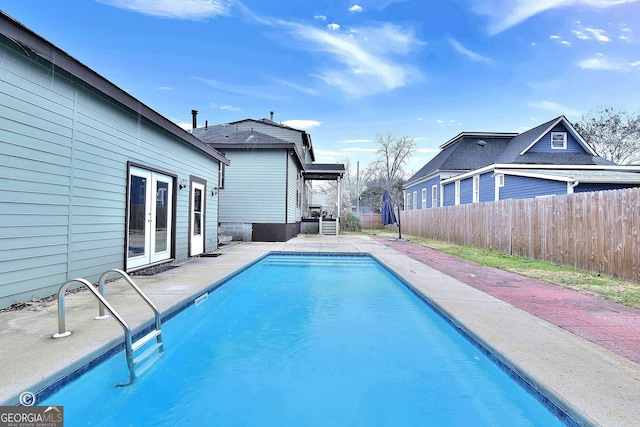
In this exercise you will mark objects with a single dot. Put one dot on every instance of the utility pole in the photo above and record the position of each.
(358, 187)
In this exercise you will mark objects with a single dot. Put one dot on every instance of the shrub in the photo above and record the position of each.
(350, 221)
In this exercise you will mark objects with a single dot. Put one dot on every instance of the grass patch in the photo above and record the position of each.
(609, 288)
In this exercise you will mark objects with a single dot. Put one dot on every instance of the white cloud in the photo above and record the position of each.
(355, 8)
(184, 125)
(302, 124)
(556, 108)
(239, 89)
(361, 60)
(164, 88)
(177, 9)
(356, 141)
(448, 123)
(333, 26)
(601, 63)
(301, 89)
(560, 40)
(592, 34)
(360, 150)
(504, 14)
(626, 34)
(226, 107)
(320, 17)
(475, 57)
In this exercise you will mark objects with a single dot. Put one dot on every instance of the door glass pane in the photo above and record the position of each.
(137, 215)
(197, 212)
(162, 216)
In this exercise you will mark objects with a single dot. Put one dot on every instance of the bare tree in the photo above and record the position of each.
(393, 154)
(348, 188)
(613, 135)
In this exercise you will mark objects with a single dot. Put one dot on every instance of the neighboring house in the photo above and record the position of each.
(266, 194)
(92, 179)
(550, 159)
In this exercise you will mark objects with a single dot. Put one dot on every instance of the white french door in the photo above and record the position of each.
(197, 225)
(150, 217)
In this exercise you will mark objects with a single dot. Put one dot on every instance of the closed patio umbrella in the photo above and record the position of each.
(388, 217)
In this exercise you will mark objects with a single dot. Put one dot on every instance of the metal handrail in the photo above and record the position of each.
(62, 332)
(125, 276)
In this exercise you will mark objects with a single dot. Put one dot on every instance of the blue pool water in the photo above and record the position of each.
(307, 341)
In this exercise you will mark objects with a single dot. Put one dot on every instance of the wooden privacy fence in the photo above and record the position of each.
(595, 231)
(371, 220)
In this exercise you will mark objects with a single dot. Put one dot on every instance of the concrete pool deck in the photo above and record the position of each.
(596, 385)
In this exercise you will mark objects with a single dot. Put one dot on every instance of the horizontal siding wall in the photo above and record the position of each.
(466, 190)
(64, 150)
(428, 184)
(294, 213)
(255, 187)
(449, 194)
(520, 187)
(596, 231)
(487, 187)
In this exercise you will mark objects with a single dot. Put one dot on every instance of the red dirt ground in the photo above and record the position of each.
(610, 325)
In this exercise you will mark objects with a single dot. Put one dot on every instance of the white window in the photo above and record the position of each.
(558, 140)
(424, 198)
(434, 196)
(457, 193)
(476, 188)
(499, 184)
(415, 200)
(407, 201)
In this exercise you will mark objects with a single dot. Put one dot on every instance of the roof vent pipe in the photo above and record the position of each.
(206, 124)
(194, 121)
(271, 115)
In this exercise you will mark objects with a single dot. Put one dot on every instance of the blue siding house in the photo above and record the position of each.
(87, 184)
(550, 159)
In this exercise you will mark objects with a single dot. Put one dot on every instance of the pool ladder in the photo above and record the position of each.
(149, 354)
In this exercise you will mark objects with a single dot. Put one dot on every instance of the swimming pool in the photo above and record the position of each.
(307, 340)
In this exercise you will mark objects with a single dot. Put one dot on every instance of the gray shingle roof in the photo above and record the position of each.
(220, 135)
(465, 154)
(462, 153)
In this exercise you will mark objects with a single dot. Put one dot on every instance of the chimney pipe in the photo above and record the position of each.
(206, 124)
(271, 115)
(194, 114)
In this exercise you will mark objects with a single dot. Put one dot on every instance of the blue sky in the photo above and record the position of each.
(344, 70)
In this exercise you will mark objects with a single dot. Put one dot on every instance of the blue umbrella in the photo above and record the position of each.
(388, 217)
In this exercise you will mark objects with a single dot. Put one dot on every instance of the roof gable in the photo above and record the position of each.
(558, 124)
(469, 151)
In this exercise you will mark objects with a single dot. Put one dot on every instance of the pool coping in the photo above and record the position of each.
(599, 405)
(556, 405)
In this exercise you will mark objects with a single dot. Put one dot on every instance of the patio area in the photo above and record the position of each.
(595, 385)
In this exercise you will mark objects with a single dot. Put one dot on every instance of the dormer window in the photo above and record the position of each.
(558, 140)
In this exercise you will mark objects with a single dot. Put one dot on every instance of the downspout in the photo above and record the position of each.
(286, 189)
(573, 185)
